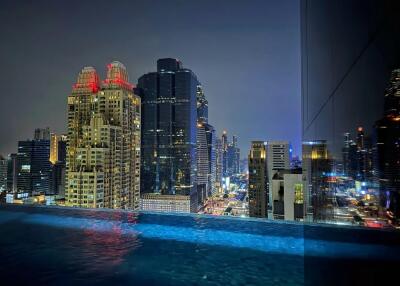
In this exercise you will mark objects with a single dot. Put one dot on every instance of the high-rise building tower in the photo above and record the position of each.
(233, 157)
(202, 105)
(3, 174)
(202, 163)
(257, 188)
(103, 150)
(212, 158)
(206, 167)
(346, 154)
(12, 173)
(388, 148)
(169, 131)
(317, 189)
(33, 166)
(218, 163)
(224, 141)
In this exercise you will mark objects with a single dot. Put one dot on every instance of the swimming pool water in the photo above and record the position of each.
(62, 246)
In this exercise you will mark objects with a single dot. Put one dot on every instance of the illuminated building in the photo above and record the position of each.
(58, 153)
(12, 173)
(205, 157)
(165, 203)
(224, 142)
(169, 131)
(346, 154)
(317, 189)
(3, 174)
(202, 105)
(257, 189)
(212, 158)
(218, 163)
(357, 157)
(33, 167)
(58, 145)
(233, 157)
(202, 163)
(103, 150)
(388, 148)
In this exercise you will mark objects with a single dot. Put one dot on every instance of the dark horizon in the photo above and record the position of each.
(245, 56)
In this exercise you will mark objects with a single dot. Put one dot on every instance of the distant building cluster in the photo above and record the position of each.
(148, 146)
(151, 147)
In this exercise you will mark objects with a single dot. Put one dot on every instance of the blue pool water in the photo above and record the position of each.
(61, 246)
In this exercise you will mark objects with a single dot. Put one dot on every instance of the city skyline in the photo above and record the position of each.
(220, 58)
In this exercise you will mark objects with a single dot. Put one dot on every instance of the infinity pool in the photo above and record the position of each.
(62, 246)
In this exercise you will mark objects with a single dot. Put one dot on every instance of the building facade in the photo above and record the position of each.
(169, 131)
(103, 145)
(258, 180)
(33, 167)
(3, 174)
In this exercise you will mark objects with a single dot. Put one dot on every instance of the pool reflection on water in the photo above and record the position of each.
(62, 246)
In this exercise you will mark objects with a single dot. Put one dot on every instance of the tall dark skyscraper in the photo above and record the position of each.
(3, 173)
(258, 180)
(388, 147)
(169, 130)
(33, 166)
(202, 105)
(12, 173)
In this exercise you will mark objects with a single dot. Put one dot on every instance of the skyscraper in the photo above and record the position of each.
(236, 161)
(103, 149)
(3, 174)
(202, 163)
(202, 105)
(206, 165)
(317, 190)
(33, 166)
(257, 189)
(212, 158)
(224, 141)
(346, 154)
(218, 163)
(169, 130)
(12, 173)
(388, 148)
(233, 157)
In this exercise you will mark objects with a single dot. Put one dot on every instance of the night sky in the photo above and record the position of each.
(245, 53)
